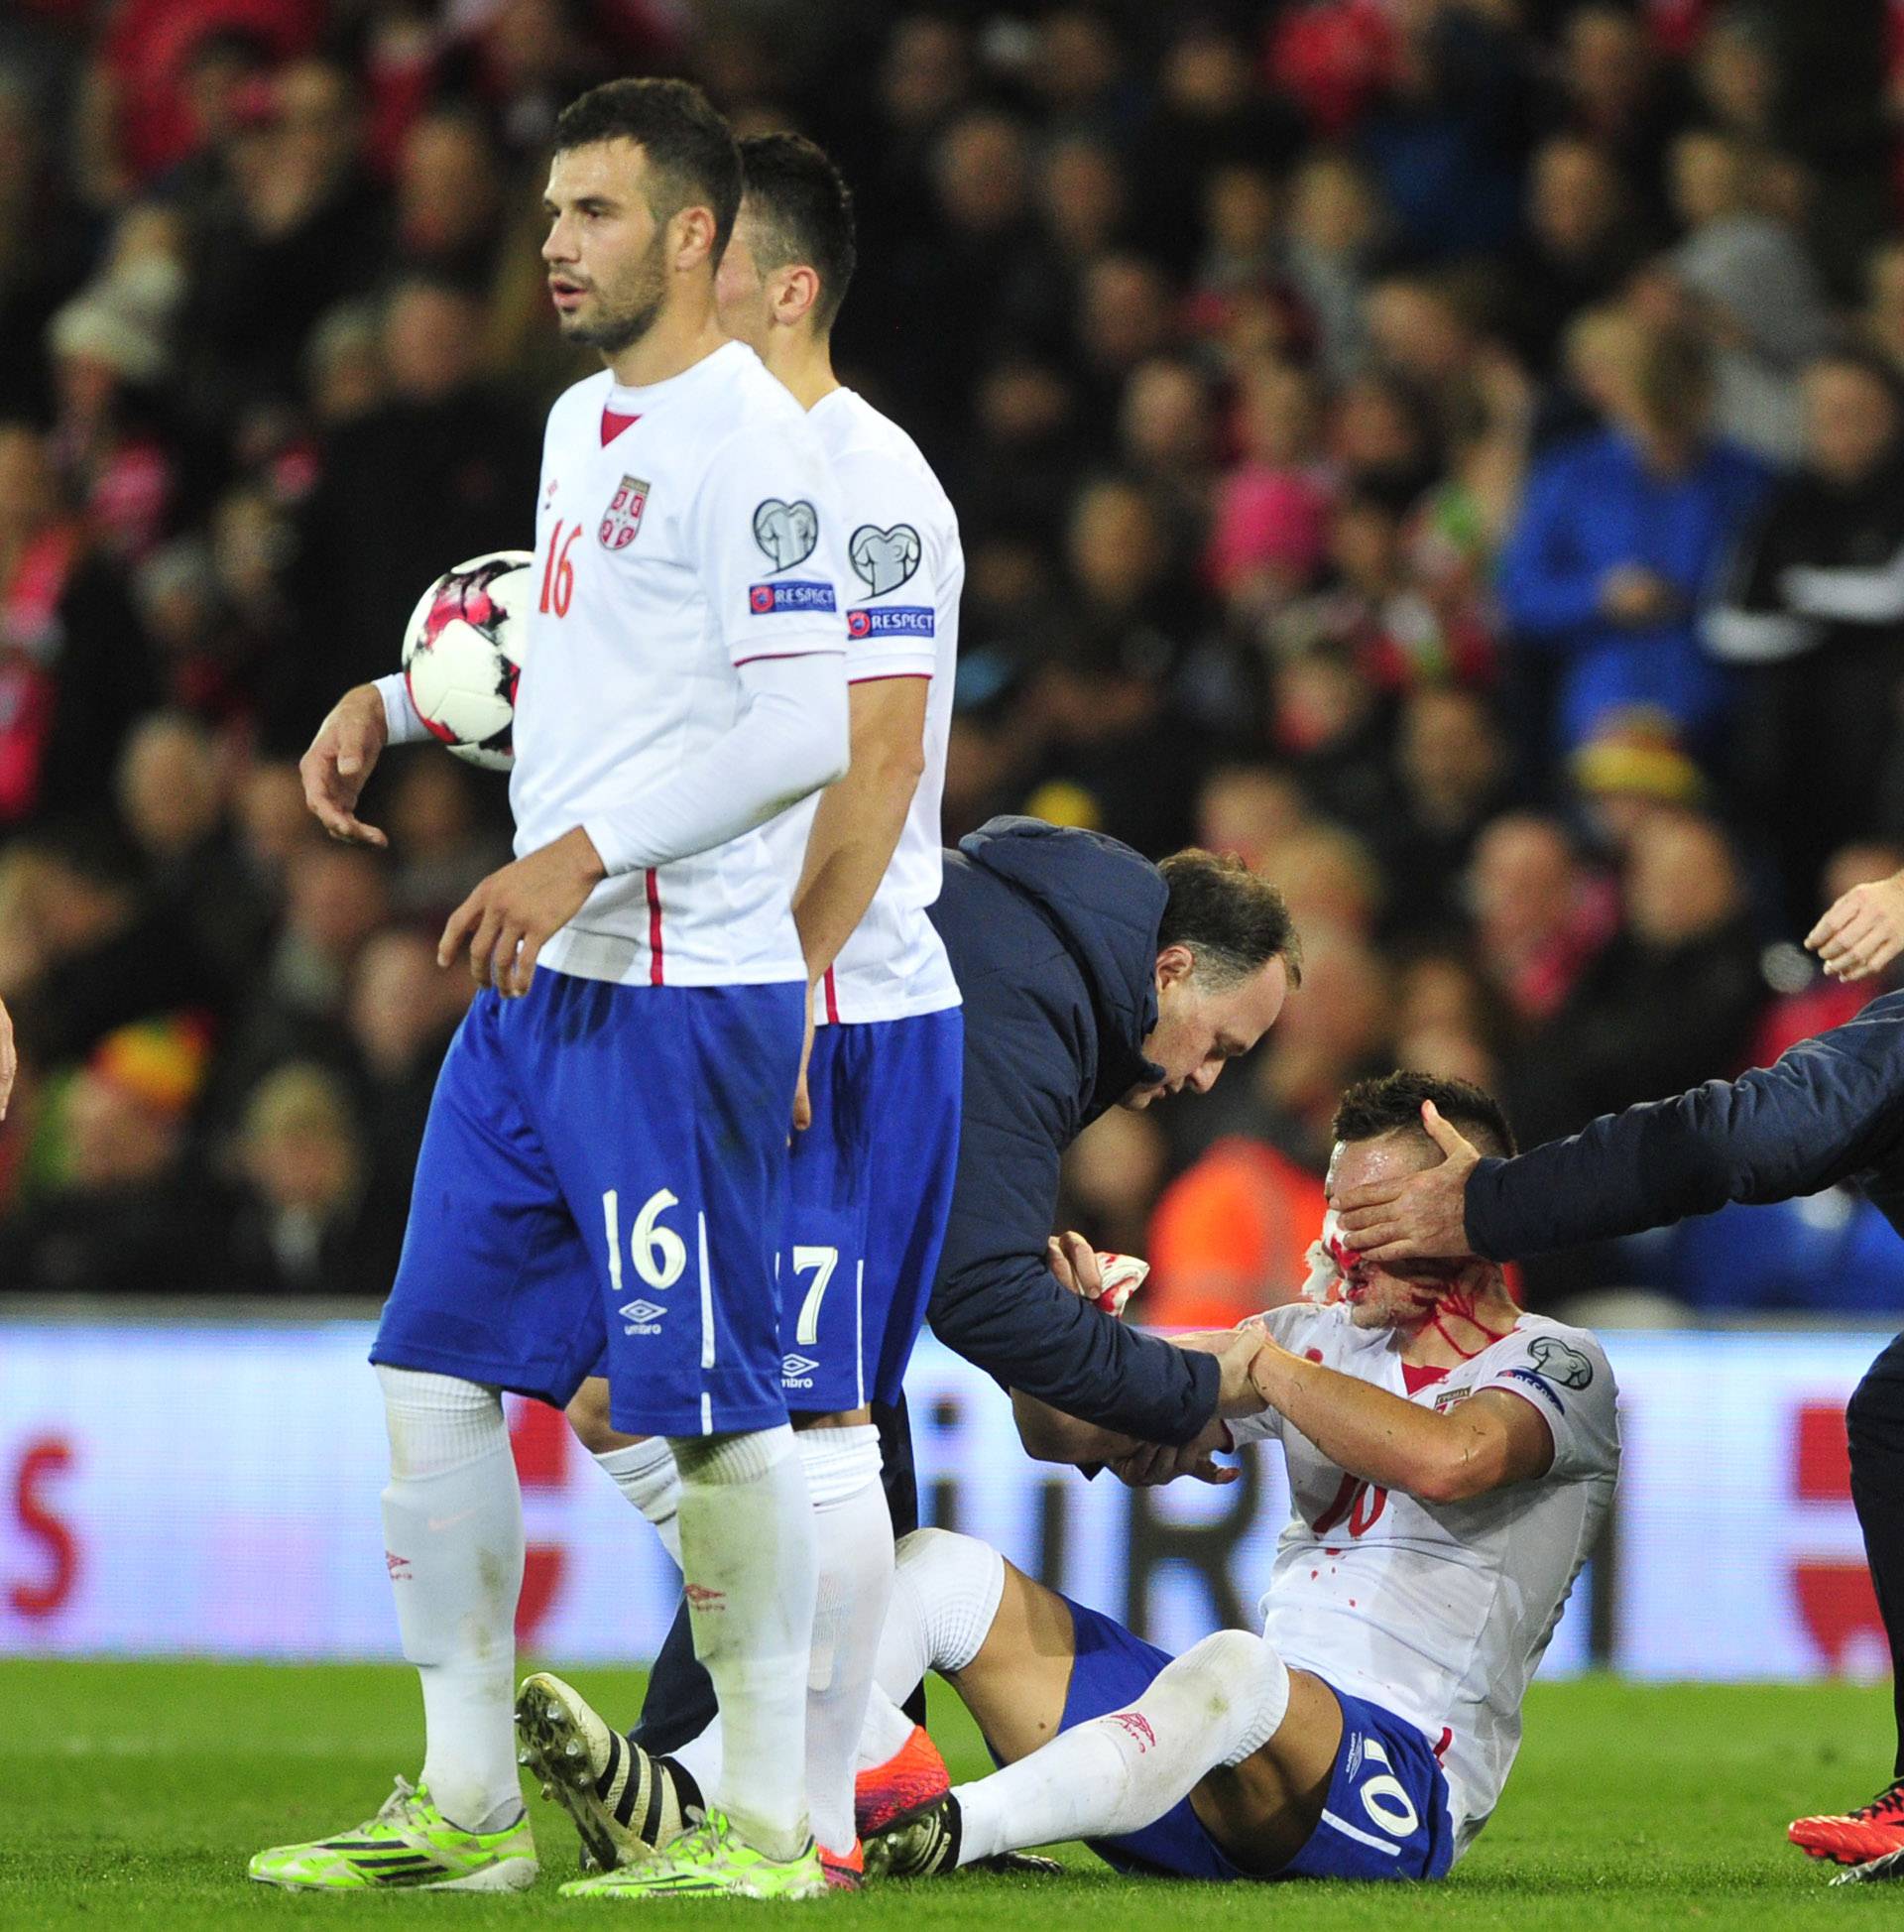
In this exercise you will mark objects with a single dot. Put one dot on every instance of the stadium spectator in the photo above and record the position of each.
(1583, 240)
(1270, 524)
(1753, 288)
(298, 1226)
(73, 665)
(1540, 914)
(300, 227)
(1813, 615)
(439, 468)
(1619, 535)
(1452, 771)
(123, 1212)
(171, 788)
(1335, 240)
(86, 948)
(400, 1013)
(1674, 994)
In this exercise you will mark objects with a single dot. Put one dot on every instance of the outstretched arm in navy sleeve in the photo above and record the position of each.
(1831, 1108)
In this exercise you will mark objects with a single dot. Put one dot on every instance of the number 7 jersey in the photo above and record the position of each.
(682, 530)
(1441, 1612)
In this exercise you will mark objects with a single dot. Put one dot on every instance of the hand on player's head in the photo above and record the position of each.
(339, 762)
(1401, 1197)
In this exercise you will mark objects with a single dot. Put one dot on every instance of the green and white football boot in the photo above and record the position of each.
(410, 1845)
(625, 1803)
(709, 1862)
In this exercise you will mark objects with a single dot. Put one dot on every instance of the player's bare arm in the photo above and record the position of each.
(856, 829)
(1863, 931)
(9, 1060)
(508, 920)
(1480, 1444)
(340, 761)
(1417, 1216)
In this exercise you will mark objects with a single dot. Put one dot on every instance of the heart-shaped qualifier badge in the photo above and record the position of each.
(787, 532)
(882, 559)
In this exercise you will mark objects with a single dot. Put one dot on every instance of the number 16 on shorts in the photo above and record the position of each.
(659, 1254)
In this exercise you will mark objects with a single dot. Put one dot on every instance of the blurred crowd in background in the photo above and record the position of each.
(1446, 451)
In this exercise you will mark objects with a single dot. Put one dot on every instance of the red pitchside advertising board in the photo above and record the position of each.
(206, 1490)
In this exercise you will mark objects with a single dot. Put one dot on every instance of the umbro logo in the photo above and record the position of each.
(640, 1317)
(797, 1370)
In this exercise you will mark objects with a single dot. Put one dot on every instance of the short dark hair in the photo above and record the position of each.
(805, 214)
(691, 151)
(1232, 920)
(1393, 1104)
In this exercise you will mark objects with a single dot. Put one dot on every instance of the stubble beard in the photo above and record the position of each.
(614, 331)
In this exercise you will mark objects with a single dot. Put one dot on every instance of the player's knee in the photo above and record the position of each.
(587, 1415)
(958, 1583)
(437, 1422)
(1245, 1685)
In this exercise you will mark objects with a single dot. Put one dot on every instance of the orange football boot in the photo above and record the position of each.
(913, 1777)
(845, 1870)
(1855, 1837)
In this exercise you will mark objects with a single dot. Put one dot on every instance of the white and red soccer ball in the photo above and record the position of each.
(463, 654)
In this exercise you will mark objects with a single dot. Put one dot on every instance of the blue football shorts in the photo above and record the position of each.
(870, 1186)
(603, 1180)
(1385, 1816)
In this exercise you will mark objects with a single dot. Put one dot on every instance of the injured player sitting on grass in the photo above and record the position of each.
(1450, 1462)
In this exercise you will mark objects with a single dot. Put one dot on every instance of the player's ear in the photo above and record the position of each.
(1174, 963)
(797, 290)
(691, 236)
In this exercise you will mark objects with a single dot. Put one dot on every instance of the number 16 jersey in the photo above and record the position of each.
(682, 530)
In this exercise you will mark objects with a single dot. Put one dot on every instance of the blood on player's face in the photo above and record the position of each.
(1378, 1296)
(605, 248)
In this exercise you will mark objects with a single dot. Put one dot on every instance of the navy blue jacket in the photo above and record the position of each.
(1832, 1109)
(1053, 939)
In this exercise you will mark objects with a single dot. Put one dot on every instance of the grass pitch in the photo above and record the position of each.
(135, 1793)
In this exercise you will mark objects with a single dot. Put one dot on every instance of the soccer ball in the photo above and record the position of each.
(463, 652)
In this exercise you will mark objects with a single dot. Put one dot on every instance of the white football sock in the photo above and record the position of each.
(853, 1546)
(646, 1474)
(945, 1594)
(453, 1533)
(1223, 1699)
(884, 1732)
(746, 1557)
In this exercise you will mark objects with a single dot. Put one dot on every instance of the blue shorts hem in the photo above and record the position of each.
(684, 1418)
(543, 1385)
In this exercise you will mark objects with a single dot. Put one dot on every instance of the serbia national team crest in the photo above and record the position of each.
(624, 515)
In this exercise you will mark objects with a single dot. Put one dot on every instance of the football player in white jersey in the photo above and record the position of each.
(604, 1170)
(1451, 1463)
(871, 1173)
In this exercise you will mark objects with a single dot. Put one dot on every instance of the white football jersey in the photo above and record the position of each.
(682, 530)
(1441, 1612)
(907, 572)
